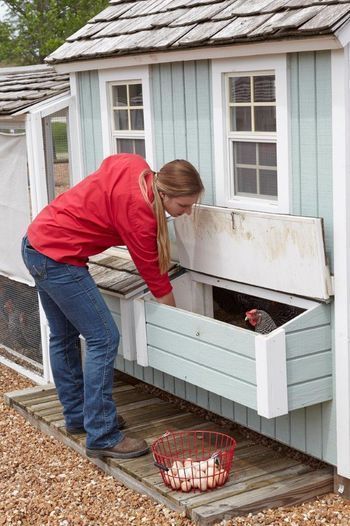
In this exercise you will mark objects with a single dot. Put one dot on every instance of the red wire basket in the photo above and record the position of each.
(194, 460)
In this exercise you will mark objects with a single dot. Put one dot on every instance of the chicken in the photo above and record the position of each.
(260, 320)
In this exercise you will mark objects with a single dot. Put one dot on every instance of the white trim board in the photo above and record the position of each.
(277, 64)
(204, 53)
(341, 214)
(126, 75)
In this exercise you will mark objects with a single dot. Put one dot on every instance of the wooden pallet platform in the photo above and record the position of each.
(260, 477)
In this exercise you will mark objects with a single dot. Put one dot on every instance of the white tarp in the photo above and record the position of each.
(14, 206)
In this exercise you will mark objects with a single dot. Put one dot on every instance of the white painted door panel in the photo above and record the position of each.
(279, 252)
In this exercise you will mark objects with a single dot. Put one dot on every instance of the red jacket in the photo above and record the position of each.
(105, 209)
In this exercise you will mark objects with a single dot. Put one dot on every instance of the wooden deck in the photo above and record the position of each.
(260, 477)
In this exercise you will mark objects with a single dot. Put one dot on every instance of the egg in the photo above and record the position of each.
(176, 465)
(188, 463)
(186, 485)
(211, 477)
(211, 462)
(221, 477)
(203, 465)
(182, 473)
(166, 478)
(196, 482)
(175, 482)
(203, 484)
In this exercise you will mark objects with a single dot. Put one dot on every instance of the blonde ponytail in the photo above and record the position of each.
(176, 178)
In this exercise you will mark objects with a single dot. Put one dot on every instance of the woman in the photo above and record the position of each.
(122, 203)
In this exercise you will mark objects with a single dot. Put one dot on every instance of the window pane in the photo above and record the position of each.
(135, 95)
(267, 154)
(125, 146)
(239, 89)
(244, 152)
(136, 118)
(264, 88)
(121, 120)
(241, 119)
(131, 146)
(268, 182)
(265, 118)
(140, 147)
(245, 181)
(119, 96)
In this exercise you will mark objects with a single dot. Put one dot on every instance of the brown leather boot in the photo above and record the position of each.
(127, 448)
(81, 430)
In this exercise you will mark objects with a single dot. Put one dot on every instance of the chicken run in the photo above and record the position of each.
(238, 309)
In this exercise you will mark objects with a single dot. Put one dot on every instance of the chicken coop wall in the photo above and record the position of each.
(309, 429)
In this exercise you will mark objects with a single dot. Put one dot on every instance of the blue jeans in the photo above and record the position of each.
(73, 305)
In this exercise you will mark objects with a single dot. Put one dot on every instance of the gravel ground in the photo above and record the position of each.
(44, 483)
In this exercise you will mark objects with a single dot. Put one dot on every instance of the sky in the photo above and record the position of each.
(2, 10)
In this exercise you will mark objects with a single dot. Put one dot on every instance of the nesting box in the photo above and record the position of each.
(277, 259)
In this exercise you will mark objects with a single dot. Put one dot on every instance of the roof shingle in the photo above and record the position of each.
(131, 26)
(23, 87)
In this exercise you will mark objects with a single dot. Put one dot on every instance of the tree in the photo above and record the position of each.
(35, 28)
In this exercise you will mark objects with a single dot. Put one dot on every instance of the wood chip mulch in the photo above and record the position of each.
(44, 483)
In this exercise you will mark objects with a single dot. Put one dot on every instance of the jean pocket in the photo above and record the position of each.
(35, 263)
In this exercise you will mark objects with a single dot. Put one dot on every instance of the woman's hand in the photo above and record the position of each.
(168, 299)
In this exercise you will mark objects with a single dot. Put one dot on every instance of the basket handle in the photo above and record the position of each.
(161, 466)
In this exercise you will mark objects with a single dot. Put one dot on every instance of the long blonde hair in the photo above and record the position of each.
(175, 179)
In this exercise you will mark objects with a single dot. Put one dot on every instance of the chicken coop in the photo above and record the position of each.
(33, 140)
(255, 95)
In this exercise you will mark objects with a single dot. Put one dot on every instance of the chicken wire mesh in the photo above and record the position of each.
(55, 131)
(20, 337)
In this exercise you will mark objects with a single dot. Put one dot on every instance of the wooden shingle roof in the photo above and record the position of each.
(22, 87)
(136, 26)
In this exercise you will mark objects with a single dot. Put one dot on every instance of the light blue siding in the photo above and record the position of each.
(182, 113)
(182, 117)
(90, 120)
(311, 138)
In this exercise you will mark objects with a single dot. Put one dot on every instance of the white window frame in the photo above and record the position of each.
(132, 75)
(273, 64)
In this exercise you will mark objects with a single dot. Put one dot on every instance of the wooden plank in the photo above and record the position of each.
(281, 469)
(315, 317)
(179, 109)
(202, 329)
(280, 493)
(197, 351)
(257, 471)
(313, 340)
(309, 393)
(192, 372)
(167, 112)
(29, 393)
(308, 368)
(89, 99)
(205, 135)
(191, 122)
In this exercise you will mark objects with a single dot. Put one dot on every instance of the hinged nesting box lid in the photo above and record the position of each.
(280, 252)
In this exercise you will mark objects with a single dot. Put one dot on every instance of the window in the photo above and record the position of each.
(250, 121)
(128, 127)
(126, 111)
(251, 107)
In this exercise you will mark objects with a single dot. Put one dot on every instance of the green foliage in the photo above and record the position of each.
(59, 132)
(35, 28)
